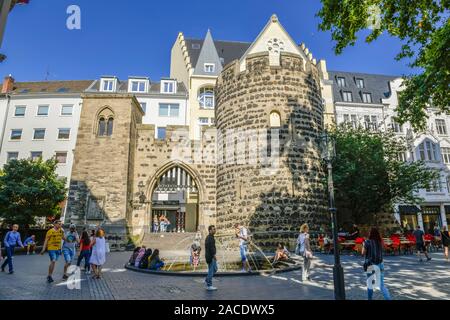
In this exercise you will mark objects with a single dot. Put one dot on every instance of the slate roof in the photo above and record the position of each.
(61, 87)
(377, 85)
(227, 50)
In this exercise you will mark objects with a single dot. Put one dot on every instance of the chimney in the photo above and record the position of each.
(8, 84)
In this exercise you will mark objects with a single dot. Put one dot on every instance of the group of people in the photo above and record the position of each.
(144, 258)
(59, 242)
(161, 224)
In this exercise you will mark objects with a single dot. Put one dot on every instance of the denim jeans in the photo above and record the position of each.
(8, 261)
(212, 269)
(383, 288)
(85, 254)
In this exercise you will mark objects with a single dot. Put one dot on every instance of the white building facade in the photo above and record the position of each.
(370, 100)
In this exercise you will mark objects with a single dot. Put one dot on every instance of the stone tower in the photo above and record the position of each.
(269, 117)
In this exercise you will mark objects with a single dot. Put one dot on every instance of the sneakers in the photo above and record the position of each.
(50, 279)
(428, 259)
(65, 277)
(11, 272)
(211, 288)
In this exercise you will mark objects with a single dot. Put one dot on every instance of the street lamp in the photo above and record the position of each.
(328, 154)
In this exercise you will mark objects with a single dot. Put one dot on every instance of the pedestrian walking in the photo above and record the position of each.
(30, 243)
(420, 244)
(98, 257)
(53, 244)
(304, 250)
(85, 252)
(242, 234)
(71, 239)
(12, 239)
(373, 264)
(445, 241)
(210, 257)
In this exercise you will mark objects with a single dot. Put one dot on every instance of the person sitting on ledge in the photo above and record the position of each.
(139, 256)
(282, 254)
(143, 264)
(30, 244)
(134, 256)
(155, 262)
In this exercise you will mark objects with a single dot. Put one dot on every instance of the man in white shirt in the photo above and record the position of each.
(242, 235)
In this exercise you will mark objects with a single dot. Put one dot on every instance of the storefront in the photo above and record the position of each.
(447, 214)
(431, 217)
(408, 217)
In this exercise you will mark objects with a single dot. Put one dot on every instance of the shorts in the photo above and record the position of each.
(68, 254)
(243, 251)
(420, 247)
(54, 255)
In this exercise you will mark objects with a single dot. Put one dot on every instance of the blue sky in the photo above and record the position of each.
(126, 38)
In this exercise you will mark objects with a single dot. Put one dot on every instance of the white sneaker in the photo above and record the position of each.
(211, 288)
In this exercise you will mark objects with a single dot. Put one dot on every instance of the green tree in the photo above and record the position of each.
(424, 28)
(30, 189)
(370, 177)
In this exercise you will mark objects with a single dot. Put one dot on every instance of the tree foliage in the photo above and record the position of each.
(370, 178)
(30, 189)
(424, 28)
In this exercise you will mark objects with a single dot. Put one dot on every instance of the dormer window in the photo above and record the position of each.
(137, 86)
(341, 81)
(210, 67)
(168, 87)
(359, 83)
(108, 85)
(367, 97)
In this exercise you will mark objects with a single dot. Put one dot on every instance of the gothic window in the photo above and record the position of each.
(105, 123)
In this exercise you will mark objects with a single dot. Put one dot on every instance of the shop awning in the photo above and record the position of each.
(408, 209)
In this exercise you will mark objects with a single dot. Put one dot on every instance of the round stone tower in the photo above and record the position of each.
(269, 117)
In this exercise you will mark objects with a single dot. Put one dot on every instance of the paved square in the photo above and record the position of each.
(405, 277)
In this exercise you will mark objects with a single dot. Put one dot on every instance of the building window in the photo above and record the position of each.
(436, 186)
(35, 155)
(20, 111)
(203, 121)
(137, 86)
(161, 133)
(64, 134)
(42, 111)
(212, 121)
(61, 157)
(168, 87)
(39, 134)
(371, 122)
(107, 85)
(275, 120)
(169, 110)
(105, 123)
(347, 96)
(441, 127)
(446, 156)
(428, 151)
(12, 156)
(341, 81)
(396, 127)
(210, 67)
(144, 107)
(66, 110)
(401, 156)
(16, 134)
(367, 97)
(346, 118)
(360, 83)
(354, 121)
(206, 98)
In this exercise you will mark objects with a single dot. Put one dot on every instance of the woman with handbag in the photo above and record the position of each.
(373, 264)
(304, 249)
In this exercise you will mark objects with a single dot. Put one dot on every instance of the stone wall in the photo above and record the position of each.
(103, 166)
(273, 200)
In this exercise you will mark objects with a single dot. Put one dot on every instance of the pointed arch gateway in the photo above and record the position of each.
(175, 191)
